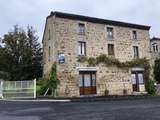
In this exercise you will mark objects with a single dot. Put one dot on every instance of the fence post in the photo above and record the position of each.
(35, 88)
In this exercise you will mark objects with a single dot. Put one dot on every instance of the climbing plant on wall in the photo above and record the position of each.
(111, 61)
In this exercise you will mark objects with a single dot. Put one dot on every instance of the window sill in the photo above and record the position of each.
(81, 33)
(112, 56)
(136, 40)
(110, 39)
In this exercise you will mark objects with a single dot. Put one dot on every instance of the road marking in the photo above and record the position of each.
(44, 100)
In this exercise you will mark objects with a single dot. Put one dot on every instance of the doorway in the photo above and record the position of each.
(87, 82)
(137, 80)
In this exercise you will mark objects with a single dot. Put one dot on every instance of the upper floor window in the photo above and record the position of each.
(155, 47)
(49, 53)
(81, 48)
(81, 28)
(136, 51)
(111, 49)
(134, 33)
(49, 34)
(110, 33)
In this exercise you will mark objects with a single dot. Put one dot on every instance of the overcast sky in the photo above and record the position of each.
(34, 12)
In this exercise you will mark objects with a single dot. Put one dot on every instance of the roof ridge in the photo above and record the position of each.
(97, 20)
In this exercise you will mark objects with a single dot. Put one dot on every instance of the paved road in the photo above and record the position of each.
(107, 110)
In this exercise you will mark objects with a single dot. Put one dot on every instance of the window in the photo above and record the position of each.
(93, 79)
(110, 33)
(110, 49)
(133, 78)
(155, 47)
(140, 78)
(87, 79)
(49, 53)
(136, 52)
(81, 28)
(87, 82)
(81, 80)
(49, 34)
(81, 48)
(134, 33)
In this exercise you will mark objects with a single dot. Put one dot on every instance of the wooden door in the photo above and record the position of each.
(137, 80)
(87, 83)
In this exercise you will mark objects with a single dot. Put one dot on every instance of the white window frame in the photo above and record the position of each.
(110, 34)
(81, 48)
(134, 35)
(136, 51)
(155, 47)
(80, 28)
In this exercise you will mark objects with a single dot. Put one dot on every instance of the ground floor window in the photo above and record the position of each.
(87, 82)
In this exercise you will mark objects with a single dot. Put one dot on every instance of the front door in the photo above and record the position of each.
(87, 82)
(137, 80)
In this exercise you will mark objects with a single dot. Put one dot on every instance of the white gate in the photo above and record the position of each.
(19, 89)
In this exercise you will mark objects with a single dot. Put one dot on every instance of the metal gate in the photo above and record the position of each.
(18, 89)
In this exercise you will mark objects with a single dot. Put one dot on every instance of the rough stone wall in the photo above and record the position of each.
(49, 40)
(154, 55)
(112, 78)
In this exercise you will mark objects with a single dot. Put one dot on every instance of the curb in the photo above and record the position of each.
(87, 99)
(37, 100)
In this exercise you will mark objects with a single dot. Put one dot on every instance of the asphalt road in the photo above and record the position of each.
(107, 110)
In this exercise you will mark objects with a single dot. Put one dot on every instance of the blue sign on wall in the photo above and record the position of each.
(61, 58)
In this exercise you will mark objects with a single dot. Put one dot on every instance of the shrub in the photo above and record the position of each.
(41, 86)
(150, 87)
(82, 58)
(106, 92)
(157, 70)
(92, 61)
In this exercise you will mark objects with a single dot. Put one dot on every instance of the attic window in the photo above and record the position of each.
(134, 33)
(81, 28)
(155, 47)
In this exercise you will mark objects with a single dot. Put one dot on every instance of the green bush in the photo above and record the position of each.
(157, 70)
(92, 61)
(41, 86)
(150, 87)
(82, 58)
(106, 92)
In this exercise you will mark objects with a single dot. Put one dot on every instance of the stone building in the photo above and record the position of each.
(69, 37)
(155, 49)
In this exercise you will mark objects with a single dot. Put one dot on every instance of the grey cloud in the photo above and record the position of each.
(34, 12)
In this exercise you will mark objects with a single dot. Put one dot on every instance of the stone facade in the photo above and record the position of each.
(155, 49)
(62, 36)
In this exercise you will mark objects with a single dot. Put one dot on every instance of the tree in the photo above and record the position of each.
(53, 81)
(157, 70)
(21, 54)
